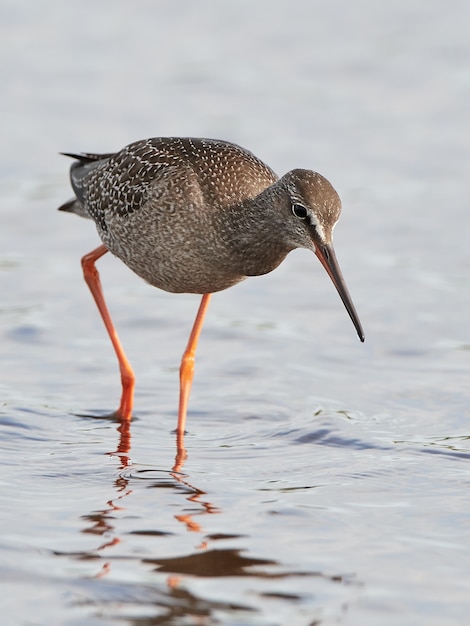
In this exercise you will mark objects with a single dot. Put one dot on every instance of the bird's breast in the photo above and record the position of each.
(174, 250)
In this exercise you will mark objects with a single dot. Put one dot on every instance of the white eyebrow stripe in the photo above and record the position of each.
(314, 222)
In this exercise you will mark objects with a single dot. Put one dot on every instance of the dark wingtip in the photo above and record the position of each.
(87, 157)
(79, 157)
(67, 206)
(82, 157)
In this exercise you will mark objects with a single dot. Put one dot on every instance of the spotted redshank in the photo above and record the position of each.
(198, 216)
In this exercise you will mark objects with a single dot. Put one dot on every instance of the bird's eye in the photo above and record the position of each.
(299, 211)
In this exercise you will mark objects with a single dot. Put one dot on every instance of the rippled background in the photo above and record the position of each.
(326, 481)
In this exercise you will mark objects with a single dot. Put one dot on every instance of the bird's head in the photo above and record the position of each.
(314, 208)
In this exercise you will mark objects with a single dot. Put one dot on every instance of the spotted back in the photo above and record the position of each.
(119, 184)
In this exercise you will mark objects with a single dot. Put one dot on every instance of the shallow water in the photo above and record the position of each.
(326, 481)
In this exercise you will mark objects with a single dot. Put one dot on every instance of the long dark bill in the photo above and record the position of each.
(327, 257)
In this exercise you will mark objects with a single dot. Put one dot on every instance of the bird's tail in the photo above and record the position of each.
(87, 157)
(74, 206)
(78, 170)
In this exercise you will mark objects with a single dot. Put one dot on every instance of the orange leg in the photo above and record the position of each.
(187, 364)
(92, 279)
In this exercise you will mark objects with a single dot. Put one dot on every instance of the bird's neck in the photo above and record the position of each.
(255, 234)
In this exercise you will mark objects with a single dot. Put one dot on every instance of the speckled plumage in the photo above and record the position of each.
(199, 215)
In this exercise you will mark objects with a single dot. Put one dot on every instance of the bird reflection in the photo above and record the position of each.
(101, 522)
(124, 447)
(170, 594)
(181, 454)
(214, 563)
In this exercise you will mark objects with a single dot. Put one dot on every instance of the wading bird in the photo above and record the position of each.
(198, 216)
